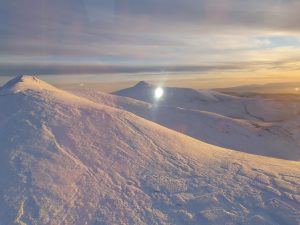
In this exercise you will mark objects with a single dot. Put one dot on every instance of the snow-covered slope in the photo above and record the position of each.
(172, 95)
(255, 109)
(67, 160)
(257, 137)
(23, 83)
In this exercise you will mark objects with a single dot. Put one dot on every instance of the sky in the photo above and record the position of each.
(233, 41)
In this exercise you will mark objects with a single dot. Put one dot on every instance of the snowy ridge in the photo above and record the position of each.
(254, 109)
(245, 134)
(67, 160)
(23, 83)
(144, 91)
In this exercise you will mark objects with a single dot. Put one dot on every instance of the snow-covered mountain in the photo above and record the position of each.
(67, 160)
(172, 95)
(245, 133)
(255, 109)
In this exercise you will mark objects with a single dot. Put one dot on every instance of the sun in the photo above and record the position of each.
(158, 93)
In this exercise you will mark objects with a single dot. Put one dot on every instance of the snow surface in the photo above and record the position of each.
(247, 133)
(67, 160)
(212, 101)
(172, 95)
(23, 83)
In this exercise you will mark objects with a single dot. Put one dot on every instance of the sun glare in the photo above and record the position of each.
(158, 93)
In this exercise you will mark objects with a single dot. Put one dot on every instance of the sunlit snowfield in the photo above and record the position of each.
(146, 155)
(149, 112)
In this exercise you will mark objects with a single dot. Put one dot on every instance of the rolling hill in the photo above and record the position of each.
(68, 160)
(226, 123)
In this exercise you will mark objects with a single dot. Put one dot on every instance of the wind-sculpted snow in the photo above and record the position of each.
(67, 160)
(275, 139)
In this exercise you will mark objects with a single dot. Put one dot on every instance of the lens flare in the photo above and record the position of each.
(158, 93)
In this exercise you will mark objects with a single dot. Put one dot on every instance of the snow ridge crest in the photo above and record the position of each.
(23, 83)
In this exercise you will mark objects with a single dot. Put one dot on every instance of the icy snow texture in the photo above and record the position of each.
(68, 160)
(249, 125)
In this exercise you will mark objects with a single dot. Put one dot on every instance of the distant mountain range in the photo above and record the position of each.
(281, 88)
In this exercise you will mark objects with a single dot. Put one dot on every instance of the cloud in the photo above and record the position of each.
(51, 36)
(107, 69)
(66, 17)
(191, 14)
(288, 64)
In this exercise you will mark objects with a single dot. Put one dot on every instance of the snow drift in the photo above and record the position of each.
(244, 133)
(67, 160)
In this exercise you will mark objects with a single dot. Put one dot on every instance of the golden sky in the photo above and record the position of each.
(205, 43)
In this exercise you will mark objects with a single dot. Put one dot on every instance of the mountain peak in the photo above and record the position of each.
(23, 83)
(142, 83)
(21, 79)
